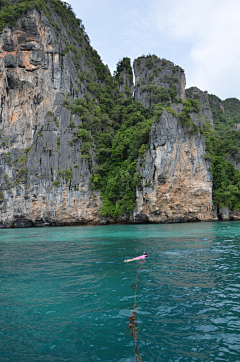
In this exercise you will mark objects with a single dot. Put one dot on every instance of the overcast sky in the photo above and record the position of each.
(202, 36)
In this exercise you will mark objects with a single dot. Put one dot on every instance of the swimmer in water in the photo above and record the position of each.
(137, 258)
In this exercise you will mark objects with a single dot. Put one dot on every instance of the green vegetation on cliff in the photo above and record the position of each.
(12, 10)
(223, 145)
(124, 65)
(226, 179)
(117, 130)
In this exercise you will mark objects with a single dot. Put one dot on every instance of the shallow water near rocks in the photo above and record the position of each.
(66, 295)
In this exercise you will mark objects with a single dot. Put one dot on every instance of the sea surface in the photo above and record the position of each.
(67, 295)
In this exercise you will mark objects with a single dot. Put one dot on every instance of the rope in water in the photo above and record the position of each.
(133, 317)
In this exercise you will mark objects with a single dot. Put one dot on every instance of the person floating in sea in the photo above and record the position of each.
(137, 258)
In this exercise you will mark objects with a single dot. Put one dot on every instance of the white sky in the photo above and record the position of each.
(202, 36)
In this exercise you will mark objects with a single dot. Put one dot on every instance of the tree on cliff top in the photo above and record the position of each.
(12, 10)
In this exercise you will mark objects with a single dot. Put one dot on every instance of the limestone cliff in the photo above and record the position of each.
(226, 118)
(176, 181)
(202, 97)
(158, 80)
(124, 76)
(44, 173)
(38, 71)
(34, 76)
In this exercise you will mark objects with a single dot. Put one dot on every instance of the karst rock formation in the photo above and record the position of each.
(45, 180)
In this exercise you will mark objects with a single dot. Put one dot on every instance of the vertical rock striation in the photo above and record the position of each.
(202, 97)
(43, 174)
(176, 183)
(44, 180)
(158, 80)
(125, 78)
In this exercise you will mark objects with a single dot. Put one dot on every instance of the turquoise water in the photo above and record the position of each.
(66, 295)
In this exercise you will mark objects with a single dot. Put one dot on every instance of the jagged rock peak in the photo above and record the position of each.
(124, 76)
(158, 80)
(231, 107)
(202, 97)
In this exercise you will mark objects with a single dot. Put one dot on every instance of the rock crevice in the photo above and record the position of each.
(44, 178)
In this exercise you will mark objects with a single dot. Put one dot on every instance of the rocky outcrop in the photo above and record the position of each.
(54, 184)
(33, 73)
(38, 143)
(231, 107)
(176, 181)
(175, 176)
(43, 174)
(216, 103)
(236, 127)
(224, 214)
(234, 162)
(125, 81)
(225, 114)
(202, 97)
(158, 80)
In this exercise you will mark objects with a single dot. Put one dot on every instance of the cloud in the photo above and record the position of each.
(202, 36)
(212, 29)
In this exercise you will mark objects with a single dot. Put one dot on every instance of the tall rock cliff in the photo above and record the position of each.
(224, 150)
(202, 97)
(35, 76)
(176, 178)
(158, 80)
(39, 69)
(176, 182)
(52, 105)
(124, 76)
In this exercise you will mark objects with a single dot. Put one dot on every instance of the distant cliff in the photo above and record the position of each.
(223, 150)
(80, 146)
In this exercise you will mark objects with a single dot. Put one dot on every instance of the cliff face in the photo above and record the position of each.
(226, 122)
(158, 80)
(202, 97)
(37, 132)
(33, 76)
(44, 176)
(126, 83)
(176, 183)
